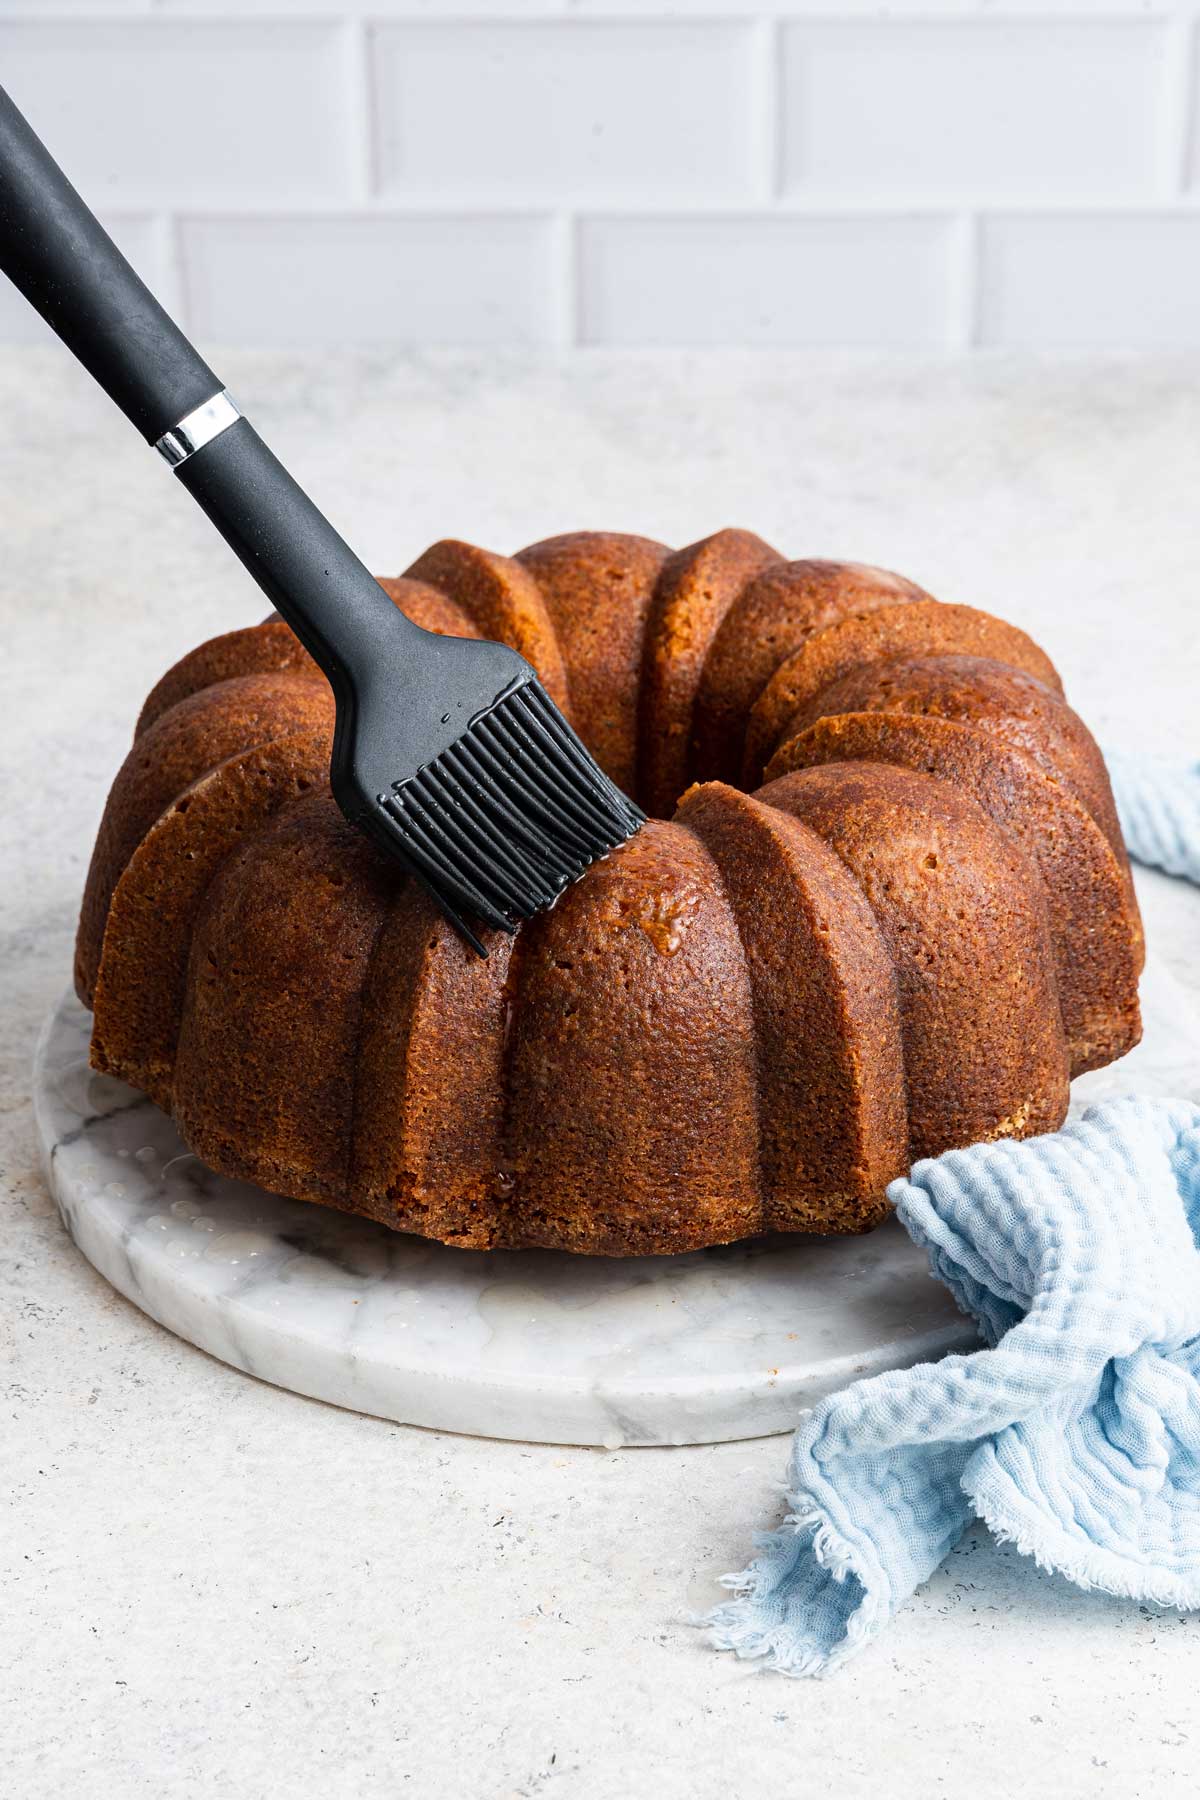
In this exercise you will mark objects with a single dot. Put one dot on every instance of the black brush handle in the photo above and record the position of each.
(64, 262)
(330, 599)
(71, 272)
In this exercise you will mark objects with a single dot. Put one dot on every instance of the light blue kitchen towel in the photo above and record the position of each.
(1076, 1434)
(1158, 804)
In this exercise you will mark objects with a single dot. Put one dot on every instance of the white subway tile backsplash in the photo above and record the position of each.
(1189, 155)
(119, 102)
(873, 172)
(369, 9)
(972, 109)
(567, 111)
(40, 9)
(764, 281)
(902, 10)
(370, 280)
(1091, 281)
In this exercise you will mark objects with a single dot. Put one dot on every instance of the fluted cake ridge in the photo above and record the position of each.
(882, 908)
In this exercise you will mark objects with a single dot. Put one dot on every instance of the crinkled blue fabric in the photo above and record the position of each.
(1076, 1433)
(1158, 804)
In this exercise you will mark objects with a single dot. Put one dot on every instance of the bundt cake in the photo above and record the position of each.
(882, 908)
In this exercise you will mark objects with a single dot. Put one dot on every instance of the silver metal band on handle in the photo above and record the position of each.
(198, 428)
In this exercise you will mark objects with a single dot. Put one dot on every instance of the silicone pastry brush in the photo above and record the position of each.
(448, 752)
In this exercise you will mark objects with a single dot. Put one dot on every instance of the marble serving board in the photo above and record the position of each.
(714, 1345)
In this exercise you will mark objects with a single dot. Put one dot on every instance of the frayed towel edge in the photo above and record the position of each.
(1091, 1568)
(741, 1625)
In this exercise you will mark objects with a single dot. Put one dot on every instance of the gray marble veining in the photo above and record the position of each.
(719, 1344)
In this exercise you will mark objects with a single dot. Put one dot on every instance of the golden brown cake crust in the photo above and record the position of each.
(1003, 701)
(265, 1071)
(1007, 704)
(696, 588)
(429, 607)
(194, 735)
(264, 649)
(1092, 934)
(965, 926)
(143, 976)
(631, 1057)
(776, 613)
(502, 600)
(597, 586)
(750, 1017)
(916, 628)
(430, 1097)
(830, 1071)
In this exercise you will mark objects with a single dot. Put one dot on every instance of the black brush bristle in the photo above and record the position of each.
(509, 815)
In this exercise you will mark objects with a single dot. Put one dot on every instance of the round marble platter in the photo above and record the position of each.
(715, 1345)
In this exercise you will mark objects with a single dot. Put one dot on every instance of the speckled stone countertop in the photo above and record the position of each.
(213, 1588)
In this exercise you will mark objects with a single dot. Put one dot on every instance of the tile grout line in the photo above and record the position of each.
(1178, 122)
(772, 13)
(796, 207)
(178, 299)
(964, 278)
(766, 94)
(566, 299)
(675, 208)
(622, 12)
(359, 87)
